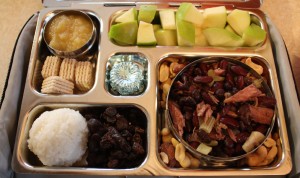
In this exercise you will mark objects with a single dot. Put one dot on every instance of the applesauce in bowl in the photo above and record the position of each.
(69, 33)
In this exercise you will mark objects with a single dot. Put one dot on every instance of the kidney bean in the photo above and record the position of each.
(262, 128)
(207, 98)
(230, 122)
(217, 85)
(196, 94)
(194, 144)
(203, 79)
(229, 78)
(228, 142)
(239, 70)
(203, 136)
(188, 101)
(239, 149)
(240, 82)
(195, 119)
(228, 86)
(204, 68)
(223, 64)
(242, 137)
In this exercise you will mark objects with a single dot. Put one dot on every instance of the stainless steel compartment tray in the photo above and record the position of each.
(99, 95)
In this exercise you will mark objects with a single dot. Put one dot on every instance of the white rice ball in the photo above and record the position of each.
(59, 137)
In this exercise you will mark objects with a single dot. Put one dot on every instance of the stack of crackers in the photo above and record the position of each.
(63, 76)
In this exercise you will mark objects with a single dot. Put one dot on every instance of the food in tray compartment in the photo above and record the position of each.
(84, 75)
(57, 85)
(59, 137)
(60, 75)
(51, 66)
(67, 69)
(220, 28)
(69, 31)
(97, 137)
(127, 78)
(117, 137)
(222, 102)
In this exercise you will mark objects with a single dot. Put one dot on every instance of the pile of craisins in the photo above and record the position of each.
(227, 92)
(117, 137)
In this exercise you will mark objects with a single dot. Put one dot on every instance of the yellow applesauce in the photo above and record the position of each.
(68, 32)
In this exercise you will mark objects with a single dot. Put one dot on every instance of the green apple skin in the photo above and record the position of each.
(166, 37)
(124, 33)
(147, 13)
(188, 12)
(145, 34)
(128, 16)
(200, 39)
(254, 35)
(185, 33)
(239, 20)
(229, 28)
(214, 17)
(222, 38)
(167, 19)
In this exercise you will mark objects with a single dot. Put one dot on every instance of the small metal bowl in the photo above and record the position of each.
(77, 52)
(208, 160)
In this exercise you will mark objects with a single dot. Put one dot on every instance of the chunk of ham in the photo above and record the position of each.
(260, 115)
(177, 117)
(245, 94)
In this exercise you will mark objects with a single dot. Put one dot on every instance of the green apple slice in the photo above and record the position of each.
(200, 39)
(156, 27)
(222, 38)
(167, 19)
(128, 16)
(145, 35)
(214, 17)
(185, 33)
(124, 33)
(254, 35)
(229, 28)
(147, 13)
(166, 37)
(189, 13)
(239, 20)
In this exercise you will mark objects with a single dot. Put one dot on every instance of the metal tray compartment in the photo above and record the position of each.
(42, 51)
(29, 161)
(255, 17)
(267, 74)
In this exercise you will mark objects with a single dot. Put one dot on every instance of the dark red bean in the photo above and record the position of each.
(207, 98)
(230, 122)
(228, 86)
(203, 79)
(223, 64)
(204, 68)
(242, 137)
(216, 86)
(239, 70)
(203, 136)
(187, 101)
(228, 142)
(196, 94)
(194, 144)
(195, 119)
(229, 78)
(240, 82)
(262, 128)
